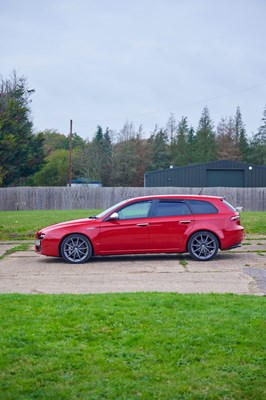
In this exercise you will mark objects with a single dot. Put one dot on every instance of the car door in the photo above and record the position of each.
(129, 233)
(170, 223)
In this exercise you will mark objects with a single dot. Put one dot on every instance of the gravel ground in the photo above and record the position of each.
(241, 271)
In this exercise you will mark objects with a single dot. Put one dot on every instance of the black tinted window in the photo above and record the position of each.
(202, 207)
(171, 208)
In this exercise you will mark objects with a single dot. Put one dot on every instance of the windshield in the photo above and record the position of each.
(110, 209)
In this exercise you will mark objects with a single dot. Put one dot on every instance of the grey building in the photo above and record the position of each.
(222, 173)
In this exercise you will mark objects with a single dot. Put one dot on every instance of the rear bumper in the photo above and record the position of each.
(232, 239)
(233, 247)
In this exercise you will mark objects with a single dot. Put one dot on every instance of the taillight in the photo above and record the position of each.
(236, 218)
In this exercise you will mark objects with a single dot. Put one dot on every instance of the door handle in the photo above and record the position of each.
(143, 224)
(185, 222)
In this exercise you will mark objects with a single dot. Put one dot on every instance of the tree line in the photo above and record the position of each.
(114, 158)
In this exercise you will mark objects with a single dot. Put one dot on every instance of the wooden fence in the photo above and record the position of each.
(70, 198)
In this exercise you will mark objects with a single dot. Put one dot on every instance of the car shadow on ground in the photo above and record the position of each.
(180, 257)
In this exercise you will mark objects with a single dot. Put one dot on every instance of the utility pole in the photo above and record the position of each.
(70, 155)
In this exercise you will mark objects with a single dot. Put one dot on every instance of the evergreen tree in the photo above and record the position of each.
(181, 148)
(98, 137)
(159, 151)
(21, 152)
(191, 145)
(205, 139)
(97, 153)
(240, 136)
(94, 159)
(107, 160)
(258, 144)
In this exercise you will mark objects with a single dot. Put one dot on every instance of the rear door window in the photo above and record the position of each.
(169, 208)
(202, 207)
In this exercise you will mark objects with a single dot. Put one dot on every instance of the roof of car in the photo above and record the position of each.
(176, 196)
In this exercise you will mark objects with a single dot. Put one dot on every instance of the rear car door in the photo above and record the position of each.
(170, 224)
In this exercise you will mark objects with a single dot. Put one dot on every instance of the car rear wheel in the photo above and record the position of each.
(76, 249)
(203, 246)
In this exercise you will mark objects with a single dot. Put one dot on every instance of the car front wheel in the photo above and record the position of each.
(76, 249)
(203, 246)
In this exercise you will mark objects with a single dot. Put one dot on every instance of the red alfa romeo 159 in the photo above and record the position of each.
(199, 225)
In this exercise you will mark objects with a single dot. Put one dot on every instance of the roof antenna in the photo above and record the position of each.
(201, 190)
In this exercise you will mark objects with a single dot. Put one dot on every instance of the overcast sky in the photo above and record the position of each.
(107, 61)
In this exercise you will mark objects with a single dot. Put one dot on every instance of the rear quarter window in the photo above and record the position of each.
(202, 207)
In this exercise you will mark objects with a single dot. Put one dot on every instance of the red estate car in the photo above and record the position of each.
(199, 225)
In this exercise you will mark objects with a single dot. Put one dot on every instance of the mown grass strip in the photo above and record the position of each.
(130, 346)
(20, 247)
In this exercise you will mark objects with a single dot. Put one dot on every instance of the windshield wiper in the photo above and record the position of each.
(92, 217)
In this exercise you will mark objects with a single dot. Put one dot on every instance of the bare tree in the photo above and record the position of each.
(226, 142)
(171, 128)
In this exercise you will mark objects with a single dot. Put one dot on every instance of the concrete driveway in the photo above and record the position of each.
(241, 271)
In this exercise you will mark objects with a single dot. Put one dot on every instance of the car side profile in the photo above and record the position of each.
(199, 225)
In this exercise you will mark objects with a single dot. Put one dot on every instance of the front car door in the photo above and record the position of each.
(129, 233)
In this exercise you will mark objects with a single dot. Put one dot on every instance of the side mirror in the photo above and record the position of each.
(113, 216)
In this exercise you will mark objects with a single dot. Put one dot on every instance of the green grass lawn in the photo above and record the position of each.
(254, 222)
(129, 346)
(132, 346)
(18, 225)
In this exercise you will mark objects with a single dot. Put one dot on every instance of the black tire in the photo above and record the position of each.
(203, 246)
(76, 249)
